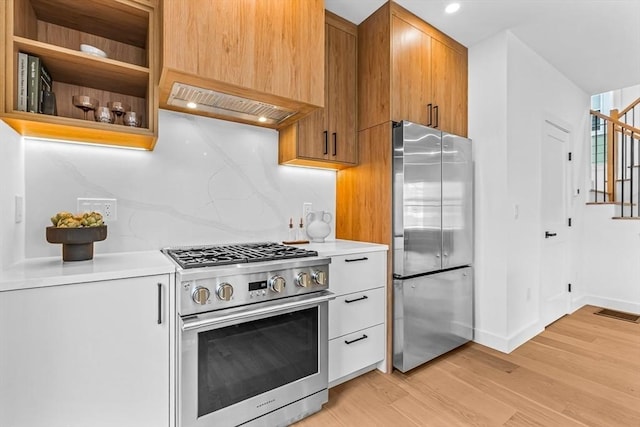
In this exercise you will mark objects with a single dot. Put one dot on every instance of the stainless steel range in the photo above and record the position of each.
(252, 334)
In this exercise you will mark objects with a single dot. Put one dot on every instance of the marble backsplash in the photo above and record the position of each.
(207, 181)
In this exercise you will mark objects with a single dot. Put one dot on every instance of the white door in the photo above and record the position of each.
(554, 301)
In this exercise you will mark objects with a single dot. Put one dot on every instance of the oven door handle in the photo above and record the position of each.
(216, 318)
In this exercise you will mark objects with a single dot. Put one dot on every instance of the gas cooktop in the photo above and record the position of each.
(216, 255)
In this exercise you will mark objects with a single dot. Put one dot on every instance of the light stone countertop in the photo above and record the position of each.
(342, 247)
(52, 271)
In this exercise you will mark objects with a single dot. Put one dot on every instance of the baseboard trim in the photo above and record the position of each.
(491, 340)
(507, 344)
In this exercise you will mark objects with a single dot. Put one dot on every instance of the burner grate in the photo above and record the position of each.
(217, 255)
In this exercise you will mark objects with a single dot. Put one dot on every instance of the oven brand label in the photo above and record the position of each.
(268, 402)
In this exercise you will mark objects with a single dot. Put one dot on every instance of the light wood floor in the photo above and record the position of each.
(582, 370)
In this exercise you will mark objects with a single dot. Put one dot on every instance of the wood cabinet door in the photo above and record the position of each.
(449, 85)
(87, 354)
(411, 73)
(273, 47)
(341, 101)
(313, 141)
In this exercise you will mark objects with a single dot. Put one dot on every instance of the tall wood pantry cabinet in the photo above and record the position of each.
(410, 71)
(327, 137)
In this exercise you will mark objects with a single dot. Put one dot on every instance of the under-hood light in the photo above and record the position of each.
(223, 104)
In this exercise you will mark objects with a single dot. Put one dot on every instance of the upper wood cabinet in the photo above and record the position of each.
(410, 71)
(262, 53)
(53, 30)
(327, 138)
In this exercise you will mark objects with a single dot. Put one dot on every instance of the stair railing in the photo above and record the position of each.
(616, 159)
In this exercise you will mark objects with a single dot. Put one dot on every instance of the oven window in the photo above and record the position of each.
(241, 361)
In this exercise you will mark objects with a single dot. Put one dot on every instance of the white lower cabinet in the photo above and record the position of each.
(356, 311)
(89, 354)
(354, 352)
(357, 315)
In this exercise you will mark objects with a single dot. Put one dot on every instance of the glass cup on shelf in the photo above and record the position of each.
(85, 103)
(49, 103)
(103, 115)
(118, 108)
(131, 118)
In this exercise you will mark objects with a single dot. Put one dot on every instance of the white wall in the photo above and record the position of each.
(512, 90)
(488, 130)
(623, 98)
(207, 181)
(11, 185)
(609, 266)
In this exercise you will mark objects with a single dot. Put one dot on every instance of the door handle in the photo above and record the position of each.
(362, 298)
(548, 234)
(159, 303)
(363, 337)
(335, 143)
(326, 142)
(435, 110)
(430, 113)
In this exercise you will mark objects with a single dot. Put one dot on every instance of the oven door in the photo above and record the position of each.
(238, 364)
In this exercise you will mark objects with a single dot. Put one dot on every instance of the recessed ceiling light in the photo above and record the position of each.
(452, 8)
(192, 104)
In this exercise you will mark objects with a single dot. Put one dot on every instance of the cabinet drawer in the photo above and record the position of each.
(361, 352)
(356, 311)
(357, 272)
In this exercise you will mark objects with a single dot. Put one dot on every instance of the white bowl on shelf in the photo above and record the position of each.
(92, 50)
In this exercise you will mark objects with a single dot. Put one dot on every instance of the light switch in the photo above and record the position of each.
(19, 208)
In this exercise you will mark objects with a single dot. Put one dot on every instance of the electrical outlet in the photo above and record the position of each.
(306, 208)
(107, 207)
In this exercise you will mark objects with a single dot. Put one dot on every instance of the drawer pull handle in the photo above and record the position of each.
(349, 301)
(357, 339)
(364, 258)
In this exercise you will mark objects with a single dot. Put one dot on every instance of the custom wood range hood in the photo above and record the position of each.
(253, 62)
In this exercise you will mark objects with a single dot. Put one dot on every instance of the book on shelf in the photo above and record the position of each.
(33, 85)
(34, 80)
(46, 84)
(23, 75)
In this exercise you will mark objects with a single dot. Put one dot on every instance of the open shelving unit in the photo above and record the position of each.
(53, 30)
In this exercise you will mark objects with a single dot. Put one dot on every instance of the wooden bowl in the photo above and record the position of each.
(77, 243)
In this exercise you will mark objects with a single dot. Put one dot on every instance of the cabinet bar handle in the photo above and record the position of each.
(364, 258)
(335, 143)
(357, 339)
(349, 301)
(326, 142)
(435, 109)
(429, 107)
(159, 303)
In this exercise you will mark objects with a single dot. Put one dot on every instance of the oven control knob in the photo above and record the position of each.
(303, 280)
(320, 277)
(277, 283)
(200, 295)
(225, 291)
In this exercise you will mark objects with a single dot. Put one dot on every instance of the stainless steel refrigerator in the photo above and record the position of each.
(432, 243)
